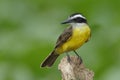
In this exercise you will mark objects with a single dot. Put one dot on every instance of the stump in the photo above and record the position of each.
(74, 69)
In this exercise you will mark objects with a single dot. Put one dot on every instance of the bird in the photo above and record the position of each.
(73, 37)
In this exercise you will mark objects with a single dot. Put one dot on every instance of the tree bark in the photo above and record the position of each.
(74, 69)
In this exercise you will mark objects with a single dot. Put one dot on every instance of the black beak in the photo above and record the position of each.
(67, 21)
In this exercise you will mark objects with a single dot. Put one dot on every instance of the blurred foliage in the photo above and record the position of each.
(29, 29)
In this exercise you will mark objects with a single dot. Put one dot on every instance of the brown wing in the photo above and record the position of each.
(64, 37)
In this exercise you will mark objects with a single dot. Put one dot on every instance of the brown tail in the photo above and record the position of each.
(50, 59)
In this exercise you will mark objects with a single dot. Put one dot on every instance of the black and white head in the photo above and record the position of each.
(75, 18)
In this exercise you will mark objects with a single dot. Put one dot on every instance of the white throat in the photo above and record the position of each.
(78, 24)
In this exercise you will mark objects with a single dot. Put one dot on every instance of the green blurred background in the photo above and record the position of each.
(29, 29)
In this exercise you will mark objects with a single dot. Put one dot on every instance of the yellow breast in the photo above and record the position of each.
(79, 36)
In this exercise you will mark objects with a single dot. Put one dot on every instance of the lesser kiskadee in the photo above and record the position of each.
(71, 39)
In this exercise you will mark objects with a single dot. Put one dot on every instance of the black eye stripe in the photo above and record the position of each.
(79, 20)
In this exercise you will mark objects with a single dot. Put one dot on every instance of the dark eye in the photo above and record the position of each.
(79, 20)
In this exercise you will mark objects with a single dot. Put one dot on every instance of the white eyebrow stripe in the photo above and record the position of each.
(78, 15)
